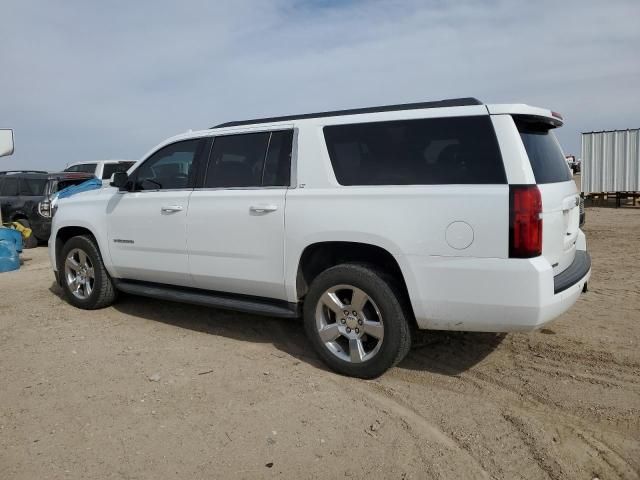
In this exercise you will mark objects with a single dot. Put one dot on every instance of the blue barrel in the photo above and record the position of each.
(9, 259)
(12, 236)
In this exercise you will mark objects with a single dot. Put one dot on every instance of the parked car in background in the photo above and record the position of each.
(21, 195)
(573, 163)
(369, 223)
(102, 169)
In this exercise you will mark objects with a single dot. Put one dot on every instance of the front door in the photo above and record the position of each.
(147, 223)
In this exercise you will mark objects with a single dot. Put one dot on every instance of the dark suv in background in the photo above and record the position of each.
(21, 192)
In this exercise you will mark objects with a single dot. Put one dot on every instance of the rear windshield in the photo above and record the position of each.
(434, 151)
(83, 167)
(111, 168)
(544, 152)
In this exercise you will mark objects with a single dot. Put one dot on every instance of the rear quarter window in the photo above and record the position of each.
(543, 149)
(434, 151)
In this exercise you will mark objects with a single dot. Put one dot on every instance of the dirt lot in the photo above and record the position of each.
(150, 389)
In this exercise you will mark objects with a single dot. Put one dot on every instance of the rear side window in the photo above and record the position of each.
(111, 168)
(33, 187)
(83, 168)
(250, 160)
(9, 187)
(545, 154)
(434, 151)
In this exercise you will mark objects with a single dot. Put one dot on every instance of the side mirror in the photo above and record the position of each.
(119, 180)
(6, 142)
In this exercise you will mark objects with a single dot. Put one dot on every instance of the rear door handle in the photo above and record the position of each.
(171, 209)
(263, 208)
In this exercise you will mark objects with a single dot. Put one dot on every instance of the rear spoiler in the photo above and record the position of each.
(541, 115)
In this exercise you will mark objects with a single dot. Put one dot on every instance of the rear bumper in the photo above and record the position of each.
(580, 267)
(492, 295)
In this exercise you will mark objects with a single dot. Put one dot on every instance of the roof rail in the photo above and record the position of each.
(22, 171)
(452, 102)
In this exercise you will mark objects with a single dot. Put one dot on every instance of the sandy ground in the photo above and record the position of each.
(151, 389)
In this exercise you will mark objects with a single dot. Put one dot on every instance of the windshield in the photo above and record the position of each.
(33, 186)
(62, 184)
(83, 167)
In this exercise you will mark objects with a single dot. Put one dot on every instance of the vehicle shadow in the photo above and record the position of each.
(450, 353)
(445, 353)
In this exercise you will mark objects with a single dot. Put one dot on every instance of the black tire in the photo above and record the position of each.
(104, 292)
(382, 290)
(32, 241)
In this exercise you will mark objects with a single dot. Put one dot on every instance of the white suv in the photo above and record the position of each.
(102, 169)
(449, 215)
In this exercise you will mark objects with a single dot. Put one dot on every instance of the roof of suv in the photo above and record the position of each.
(451, 102)
(548, 116)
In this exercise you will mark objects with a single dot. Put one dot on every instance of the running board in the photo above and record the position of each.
(205, 298)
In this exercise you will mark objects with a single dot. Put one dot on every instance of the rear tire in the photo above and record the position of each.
(32, 241)
(83, 277)
(357, 320)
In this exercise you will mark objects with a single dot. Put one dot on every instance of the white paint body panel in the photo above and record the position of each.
(234, 249)
(458, 277)
(145, 242)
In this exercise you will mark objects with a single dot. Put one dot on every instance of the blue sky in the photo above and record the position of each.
(88, 80)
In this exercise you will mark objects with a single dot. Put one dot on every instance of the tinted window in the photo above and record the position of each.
(277, 167)
(83, 167)
(168, 168)
(237, 160)
(544, 152)
(111, 168)
(9, 187)
(33, 186)
(461, 150)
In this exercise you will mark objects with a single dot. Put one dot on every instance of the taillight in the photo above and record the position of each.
(525, 222)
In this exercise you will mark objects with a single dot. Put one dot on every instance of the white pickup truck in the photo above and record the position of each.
(368, 223)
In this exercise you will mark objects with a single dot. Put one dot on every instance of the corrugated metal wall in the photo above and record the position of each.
(611, 161)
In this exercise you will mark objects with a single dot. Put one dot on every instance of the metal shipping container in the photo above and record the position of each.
(611, 161)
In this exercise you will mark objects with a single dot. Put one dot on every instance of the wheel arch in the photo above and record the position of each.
(317, 257)
(64, 234)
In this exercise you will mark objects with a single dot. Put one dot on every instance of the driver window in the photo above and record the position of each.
(169, 168)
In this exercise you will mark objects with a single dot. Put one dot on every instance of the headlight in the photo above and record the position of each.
(44, 209)
(48, 208)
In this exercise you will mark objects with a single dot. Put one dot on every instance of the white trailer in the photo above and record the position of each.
(611, 164)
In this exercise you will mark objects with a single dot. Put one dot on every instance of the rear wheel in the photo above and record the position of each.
(357, 321)
(85, 280)
(32, 241)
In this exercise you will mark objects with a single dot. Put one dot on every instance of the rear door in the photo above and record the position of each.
(560, 196)
(235, 226)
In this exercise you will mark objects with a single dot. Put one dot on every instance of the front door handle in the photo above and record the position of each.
(171, 209)
(263, 208)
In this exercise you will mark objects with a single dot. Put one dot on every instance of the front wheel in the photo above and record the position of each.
(85, 280)
(357, 320)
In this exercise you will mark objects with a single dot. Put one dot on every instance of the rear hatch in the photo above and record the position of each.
(560, 196)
